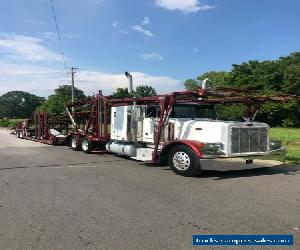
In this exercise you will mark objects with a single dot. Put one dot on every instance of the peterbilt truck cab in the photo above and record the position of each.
(192, 140)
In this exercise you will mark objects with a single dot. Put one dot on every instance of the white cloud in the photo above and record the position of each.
(92, 81)
(115, 24)
(118, 29)
(140, 29)
(26, 48)
(124, 32)
(43, 80)
(49, 35)
(30, 78)
(188, 6)
(71, 36)
(53, 35)
(146, 21)
(148, 56)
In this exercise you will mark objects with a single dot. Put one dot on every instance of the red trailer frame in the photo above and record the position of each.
(37, 128)
(98, 116)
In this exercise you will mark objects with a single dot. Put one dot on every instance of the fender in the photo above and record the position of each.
(77, 133)
(194, 145)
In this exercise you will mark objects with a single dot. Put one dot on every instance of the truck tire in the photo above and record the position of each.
(52, 142)
(68, 141)
(183, 161)
(75, 145)
(86, 145)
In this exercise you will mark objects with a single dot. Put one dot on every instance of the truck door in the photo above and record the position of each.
(151, 115)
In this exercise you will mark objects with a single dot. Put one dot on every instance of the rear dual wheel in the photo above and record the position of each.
(86, 145)
(75, 143)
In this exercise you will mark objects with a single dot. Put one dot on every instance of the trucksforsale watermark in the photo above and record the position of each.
(242, 240)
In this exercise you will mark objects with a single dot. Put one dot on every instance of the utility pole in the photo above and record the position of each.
(73, 71)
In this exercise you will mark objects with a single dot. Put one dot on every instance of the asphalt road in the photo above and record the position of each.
(55, 198)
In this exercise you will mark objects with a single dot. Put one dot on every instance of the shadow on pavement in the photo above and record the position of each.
(220, 175)
(281, 169)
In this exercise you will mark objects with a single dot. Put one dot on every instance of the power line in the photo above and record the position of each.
(58, 34)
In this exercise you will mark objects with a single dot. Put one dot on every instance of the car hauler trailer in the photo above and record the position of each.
(178, 128)
(43, 127)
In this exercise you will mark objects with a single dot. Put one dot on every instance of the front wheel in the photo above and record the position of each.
(183, 161)
(86, 146)
(75, 145)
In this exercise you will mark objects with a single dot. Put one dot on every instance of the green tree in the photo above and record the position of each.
(267, 77)
(62, 95)
(141, 91)
(144, 90)
(215, 79)
(191, 84)
(19, 104)
(292, 79)
(121, 93)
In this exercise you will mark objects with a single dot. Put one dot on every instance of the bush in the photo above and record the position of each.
(4, 123)
(10, 123)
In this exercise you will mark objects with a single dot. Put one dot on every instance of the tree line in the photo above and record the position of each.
(20, 104)
(269, 77)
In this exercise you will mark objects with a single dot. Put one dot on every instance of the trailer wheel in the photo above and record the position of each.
(74, 144)
(52, 141)
(69, 141)
(86, 145)
(183, 161)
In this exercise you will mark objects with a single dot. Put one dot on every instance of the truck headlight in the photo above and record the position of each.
(213, 149)
(275, 145)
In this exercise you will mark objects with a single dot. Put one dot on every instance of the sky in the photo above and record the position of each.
(161, 42)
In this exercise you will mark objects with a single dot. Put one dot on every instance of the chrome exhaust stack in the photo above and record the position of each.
(130, 84)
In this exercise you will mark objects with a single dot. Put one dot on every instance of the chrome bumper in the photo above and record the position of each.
(273, 158)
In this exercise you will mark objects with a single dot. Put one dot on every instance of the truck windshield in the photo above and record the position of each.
(194, 111)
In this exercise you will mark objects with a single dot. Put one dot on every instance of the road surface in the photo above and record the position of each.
(55, 198)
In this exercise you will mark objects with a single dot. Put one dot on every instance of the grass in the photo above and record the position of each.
(291, 140)
(10, 123)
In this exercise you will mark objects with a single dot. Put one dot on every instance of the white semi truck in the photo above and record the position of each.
(192, 140)
(180, 129)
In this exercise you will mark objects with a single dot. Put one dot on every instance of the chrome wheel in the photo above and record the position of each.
(73, 143)
(85, 145)
(181, 161)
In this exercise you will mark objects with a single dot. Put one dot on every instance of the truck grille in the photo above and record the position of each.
(249, 139)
